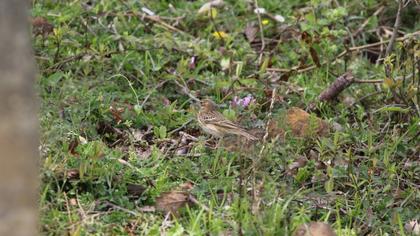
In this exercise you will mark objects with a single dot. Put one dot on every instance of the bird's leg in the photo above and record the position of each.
(219, 142)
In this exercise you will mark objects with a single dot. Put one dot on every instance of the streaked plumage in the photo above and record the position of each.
(214, 123)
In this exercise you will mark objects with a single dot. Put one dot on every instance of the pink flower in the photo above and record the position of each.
(243, 102)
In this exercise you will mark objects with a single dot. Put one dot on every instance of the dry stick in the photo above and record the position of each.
(389, 48)
(186, 91)
(194, 200)
(337, 87)
(161, 22)
(365, 23)
(241, 192)
(152, 91)
(396, 27)
(264, 142)
(373, 81)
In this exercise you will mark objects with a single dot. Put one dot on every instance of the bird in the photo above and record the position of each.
(215, 124)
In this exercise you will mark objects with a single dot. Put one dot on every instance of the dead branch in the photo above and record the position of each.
(396, 27)
(337, 87)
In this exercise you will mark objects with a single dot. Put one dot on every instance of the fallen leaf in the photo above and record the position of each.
(314, 56)
(72, 174)
(40, 26)
(72, 147)
(251, 32)
(73, 201)
(171, 202)
(314, 229)
(135, 190)
(187, 186)
(116, 113)
(300, 162)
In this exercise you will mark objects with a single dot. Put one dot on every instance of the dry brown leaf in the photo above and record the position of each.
(314, 56)
(251, 32)
(116, 113)
(72, 147)
(73, 202)
(187, 186)
(314, 229)
(171, 202)
(135, 190)
(40, 26)
(72, 174)
(292, 167)
(303, 125)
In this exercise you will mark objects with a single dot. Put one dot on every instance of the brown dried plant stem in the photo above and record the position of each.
(256, 161)
(337, 87)
(389, 48)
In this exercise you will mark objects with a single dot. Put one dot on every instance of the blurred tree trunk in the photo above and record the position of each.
(18, 123)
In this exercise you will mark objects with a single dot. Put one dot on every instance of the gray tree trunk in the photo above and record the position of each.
(18, 123)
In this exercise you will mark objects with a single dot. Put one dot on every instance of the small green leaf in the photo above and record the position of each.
(395, 109)
(162, 131)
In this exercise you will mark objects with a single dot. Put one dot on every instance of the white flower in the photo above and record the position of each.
(279, 18)
(259, 10)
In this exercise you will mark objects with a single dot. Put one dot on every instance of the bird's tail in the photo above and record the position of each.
(247, 135)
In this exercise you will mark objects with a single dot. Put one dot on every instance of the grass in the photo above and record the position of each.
(112, 109)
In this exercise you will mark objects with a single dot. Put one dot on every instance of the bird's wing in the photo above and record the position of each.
(207, 118)
(220, 120)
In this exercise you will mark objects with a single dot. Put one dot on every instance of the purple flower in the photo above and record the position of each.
(243, 102)
(247, 100)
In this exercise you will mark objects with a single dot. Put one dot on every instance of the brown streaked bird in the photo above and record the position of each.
(214, 123)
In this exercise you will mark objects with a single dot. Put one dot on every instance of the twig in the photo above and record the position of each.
(121, 208)
(367, 96)
(186, 91)
(373, 81)
(336, 87)
(396, 27)
(194, 200)
(157, 19)
(188, 135)
(66, 60)
(360, 29)
(389, 48)
(150, 93)
(181, 127)
(264, 141)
